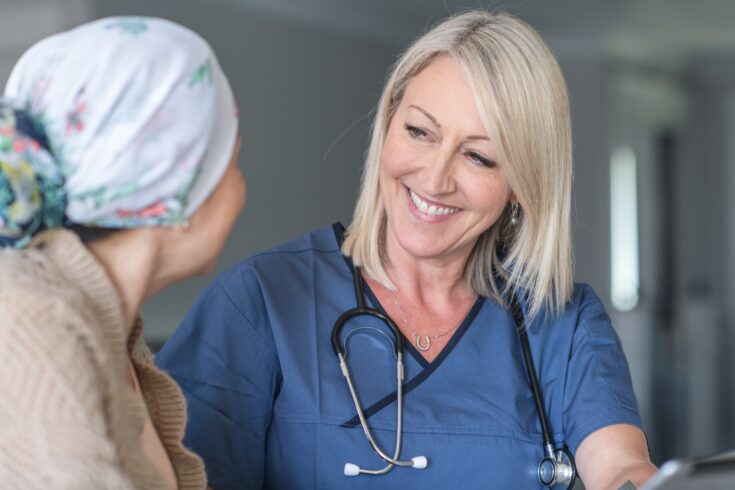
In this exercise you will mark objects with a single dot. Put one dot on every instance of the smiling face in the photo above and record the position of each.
(439, 178)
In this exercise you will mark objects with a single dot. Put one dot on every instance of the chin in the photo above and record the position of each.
(207, 269)
(421, 247)
(419, 252)
(201, 268)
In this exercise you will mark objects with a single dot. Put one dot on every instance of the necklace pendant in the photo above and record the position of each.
(426, 346)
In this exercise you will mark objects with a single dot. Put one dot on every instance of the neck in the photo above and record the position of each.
(436, 280)
(130, 258)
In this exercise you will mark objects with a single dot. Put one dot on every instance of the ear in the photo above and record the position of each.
(512, 199)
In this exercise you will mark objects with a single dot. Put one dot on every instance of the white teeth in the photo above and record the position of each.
(431, 210)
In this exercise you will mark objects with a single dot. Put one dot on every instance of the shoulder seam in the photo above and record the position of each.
(247, 320)
(596, 360)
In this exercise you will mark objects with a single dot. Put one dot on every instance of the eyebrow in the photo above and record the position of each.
(436, 123)
(427, 114)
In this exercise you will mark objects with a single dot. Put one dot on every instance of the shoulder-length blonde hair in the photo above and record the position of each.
(522, 99)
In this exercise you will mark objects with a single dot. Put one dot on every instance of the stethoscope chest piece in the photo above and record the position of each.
(557, 469)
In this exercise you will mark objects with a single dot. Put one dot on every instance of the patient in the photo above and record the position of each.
(118, 177)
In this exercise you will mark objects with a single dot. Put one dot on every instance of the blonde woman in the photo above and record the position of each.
(461, 240)
(118, 177)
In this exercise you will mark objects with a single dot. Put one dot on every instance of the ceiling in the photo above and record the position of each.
(664, 31)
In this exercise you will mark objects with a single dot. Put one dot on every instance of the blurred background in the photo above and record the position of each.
(652, 87)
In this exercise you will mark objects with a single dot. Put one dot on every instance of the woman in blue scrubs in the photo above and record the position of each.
(465, 200)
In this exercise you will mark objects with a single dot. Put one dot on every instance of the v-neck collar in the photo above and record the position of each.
(464, 326)
(427, 368)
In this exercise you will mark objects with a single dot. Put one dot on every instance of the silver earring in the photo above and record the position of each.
(515, 214)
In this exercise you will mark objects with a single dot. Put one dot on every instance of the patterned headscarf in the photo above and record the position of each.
(123, 122)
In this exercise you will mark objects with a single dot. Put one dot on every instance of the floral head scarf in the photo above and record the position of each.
(123, 122)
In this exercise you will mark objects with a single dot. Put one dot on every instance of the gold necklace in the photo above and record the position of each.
(426, 338)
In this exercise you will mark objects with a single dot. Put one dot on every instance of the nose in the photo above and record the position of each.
(438, 173)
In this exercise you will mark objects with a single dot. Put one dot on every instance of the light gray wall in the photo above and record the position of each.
(588, 82)
(706, 255)
(648, 103)
(23, 22)
(728, 371)
(305, 96)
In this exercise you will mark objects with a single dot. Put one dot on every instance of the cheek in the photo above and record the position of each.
(218, 215)
(230, 210)
(491, 198)
(398, 156)
(233, 194)
(241, 194)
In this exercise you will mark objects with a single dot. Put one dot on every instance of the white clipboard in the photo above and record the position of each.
(709, 474)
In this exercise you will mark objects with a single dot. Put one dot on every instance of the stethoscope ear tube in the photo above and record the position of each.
(362, 310)
(339, 349)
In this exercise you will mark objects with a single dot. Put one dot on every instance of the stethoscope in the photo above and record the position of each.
(557, 467)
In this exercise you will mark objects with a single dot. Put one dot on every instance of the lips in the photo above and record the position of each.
(431, 209)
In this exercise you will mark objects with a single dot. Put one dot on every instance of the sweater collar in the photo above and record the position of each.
(84, 273)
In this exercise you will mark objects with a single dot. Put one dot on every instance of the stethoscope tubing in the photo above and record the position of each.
(531, 369)
(398, 344)
(565, 473)
(562, 472)
(392, 461)
(363, 310)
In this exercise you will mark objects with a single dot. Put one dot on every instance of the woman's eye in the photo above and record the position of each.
(415, 132)
(480, 160)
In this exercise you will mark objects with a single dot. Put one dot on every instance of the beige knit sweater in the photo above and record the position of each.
(68, 416)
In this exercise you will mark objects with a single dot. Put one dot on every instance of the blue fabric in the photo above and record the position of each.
(269, 408)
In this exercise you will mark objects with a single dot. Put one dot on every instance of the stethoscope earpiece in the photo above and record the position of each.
(420, 462)
(351, 469)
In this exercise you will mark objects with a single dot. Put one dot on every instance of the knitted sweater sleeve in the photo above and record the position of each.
(54, 429)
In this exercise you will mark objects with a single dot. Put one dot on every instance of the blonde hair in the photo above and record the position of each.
(522, 99)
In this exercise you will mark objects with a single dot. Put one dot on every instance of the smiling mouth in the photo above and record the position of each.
(430, 209)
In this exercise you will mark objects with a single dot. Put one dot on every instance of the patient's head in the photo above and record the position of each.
(125, 122)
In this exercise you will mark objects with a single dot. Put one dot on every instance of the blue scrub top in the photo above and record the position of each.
(269, 407)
